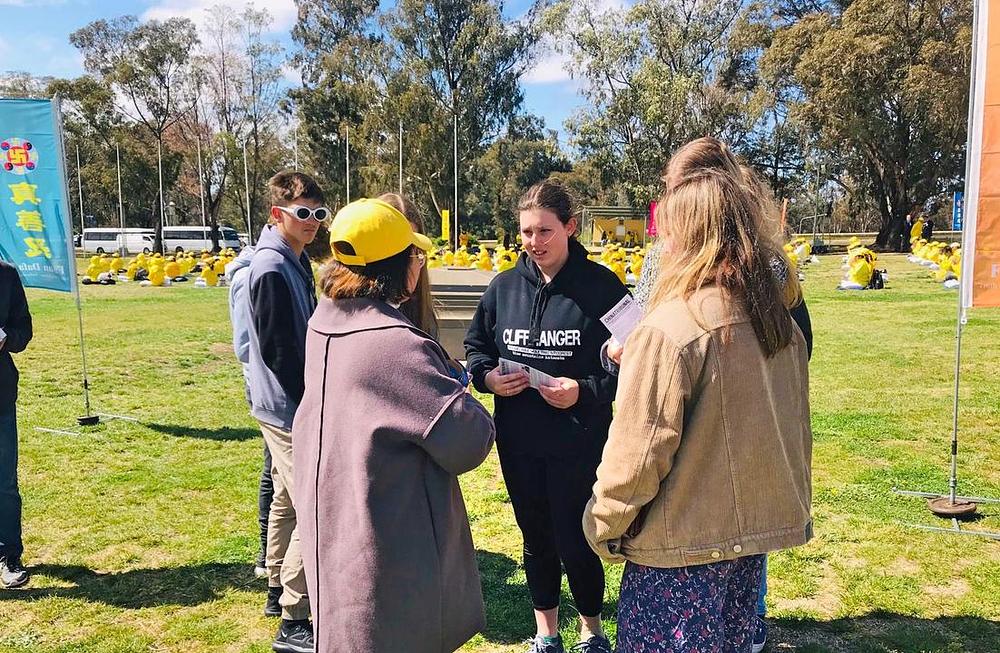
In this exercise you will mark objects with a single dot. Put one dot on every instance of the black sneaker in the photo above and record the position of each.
(294, 637)
(596, 644)
(272, 608)
(759, 636)
(538, 645)
(12, 573)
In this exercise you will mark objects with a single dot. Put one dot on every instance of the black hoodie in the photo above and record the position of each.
(554, 327)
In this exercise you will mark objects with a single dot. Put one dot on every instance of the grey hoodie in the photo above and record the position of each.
(281, 299)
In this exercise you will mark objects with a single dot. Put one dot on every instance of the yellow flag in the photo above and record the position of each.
(446, 224)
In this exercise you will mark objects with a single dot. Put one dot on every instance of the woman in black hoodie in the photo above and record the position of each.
(546, 313)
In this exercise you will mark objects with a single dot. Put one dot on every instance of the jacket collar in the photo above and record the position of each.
(271, 238)
(343, 316)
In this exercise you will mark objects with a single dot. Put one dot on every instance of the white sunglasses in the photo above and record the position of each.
(304, 213)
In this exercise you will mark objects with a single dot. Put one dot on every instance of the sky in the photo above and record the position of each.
(35, 39)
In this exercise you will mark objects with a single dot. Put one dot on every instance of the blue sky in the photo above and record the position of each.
(35, 39)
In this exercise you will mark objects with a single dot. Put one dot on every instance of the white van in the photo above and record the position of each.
(177, 239)
(105, 240)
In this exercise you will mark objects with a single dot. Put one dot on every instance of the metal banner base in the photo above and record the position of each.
(87, 420)
(960, 503)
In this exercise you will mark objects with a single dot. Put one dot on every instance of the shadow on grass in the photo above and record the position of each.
(225, 434)
(509, 618)
(885, 632)
(141, 588)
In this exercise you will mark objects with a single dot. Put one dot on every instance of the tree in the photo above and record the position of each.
(524, 156)
(656, 76)
(93, 124)
(422, 63)
(883, 88)
(145, 65)
(235, 97)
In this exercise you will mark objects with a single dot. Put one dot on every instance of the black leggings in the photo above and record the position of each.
(264, 494)
(549, 496)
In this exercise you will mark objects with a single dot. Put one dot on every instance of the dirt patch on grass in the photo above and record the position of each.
(954, 589)
(824, 603)
(903, 567)
(221, 348)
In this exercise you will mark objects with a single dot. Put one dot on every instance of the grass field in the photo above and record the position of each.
(141, 534)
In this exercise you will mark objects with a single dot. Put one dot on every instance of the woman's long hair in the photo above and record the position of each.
(419, 309)
(723, 230)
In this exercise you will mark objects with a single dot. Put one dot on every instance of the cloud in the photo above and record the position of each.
(553, 65)
(283, 12)
(291, 75)
(551, 68)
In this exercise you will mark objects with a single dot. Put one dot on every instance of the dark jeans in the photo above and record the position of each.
(264, 495)
(549, 496)
(10, 499)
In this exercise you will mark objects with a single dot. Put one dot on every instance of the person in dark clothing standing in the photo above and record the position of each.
(282, 298)
(15, 323)
(546, 313)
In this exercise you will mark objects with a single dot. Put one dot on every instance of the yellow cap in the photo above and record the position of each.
(375, 230)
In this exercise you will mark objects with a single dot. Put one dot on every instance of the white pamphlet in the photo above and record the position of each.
(623, 318)
(536, 378)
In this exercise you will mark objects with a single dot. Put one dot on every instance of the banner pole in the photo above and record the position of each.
(87, 419)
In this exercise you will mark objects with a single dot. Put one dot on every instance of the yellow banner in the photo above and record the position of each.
(446, 224)
(981, 240)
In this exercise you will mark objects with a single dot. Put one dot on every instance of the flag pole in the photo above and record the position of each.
(952, 506)
(88, 419)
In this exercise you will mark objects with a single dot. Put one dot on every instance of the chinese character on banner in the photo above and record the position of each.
(35, 235)
(30, 221)
(24, 192)
(37, 247)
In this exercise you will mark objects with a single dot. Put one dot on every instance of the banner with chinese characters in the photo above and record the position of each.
(981, 228)
(34, 209)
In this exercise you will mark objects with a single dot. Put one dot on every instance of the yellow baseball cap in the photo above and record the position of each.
(376, 231)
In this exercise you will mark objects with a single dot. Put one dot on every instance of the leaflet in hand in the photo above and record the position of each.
(536, 378)
(623, 318)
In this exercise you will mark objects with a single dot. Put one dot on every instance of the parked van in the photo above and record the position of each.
(108, 240)
(178, 239)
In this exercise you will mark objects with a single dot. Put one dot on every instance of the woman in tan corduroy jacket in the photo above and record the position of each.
(707, 466)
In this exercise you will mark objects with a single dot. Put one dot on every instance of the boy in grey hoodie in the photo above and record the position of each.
(281, 298)
(237, 276)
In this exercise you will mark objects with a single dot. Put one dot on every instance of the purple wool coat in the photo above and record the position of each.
(379, 440)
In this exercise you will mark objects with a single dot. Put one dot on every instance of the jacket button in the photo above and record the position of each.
(716, 554)
(737, 548)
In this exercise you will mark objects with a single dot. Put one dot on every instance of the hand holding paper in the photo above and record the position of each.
(564, 393)
(622, 319)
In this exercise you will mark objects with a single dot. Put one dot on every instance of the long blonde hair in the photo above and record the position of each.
(723, 232)
(419, 309)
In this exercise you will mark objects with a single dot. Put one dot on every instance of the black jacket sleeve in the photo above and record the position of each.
(597, 389)
(18, 326)
(481, 354)
(801, 316)
(272, 308)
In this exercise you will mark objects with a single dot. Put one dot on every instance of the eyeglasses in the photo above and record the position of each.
(304, 213)
(420, 257)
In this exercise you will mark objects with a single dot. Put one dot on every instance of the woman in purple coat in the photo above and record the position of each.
(380, 438)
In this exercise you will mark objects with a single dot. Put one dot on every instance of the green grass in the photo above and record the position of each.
(141, 534)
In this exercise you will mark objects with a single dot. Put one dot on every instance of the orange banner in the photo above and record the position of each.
(981, 240)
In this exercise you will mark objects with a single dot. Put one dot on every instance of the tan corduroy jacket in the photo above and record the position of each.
(710, 450)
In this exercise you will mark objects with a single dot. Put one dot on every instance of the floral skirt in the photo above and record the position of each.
(704, 609)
